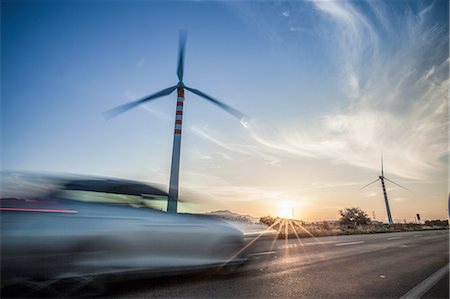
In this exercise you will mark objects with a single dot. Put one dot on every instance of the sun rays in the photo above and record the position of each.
(282, 229)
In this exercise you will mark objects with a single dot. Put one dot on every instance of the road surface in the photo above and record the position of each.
(387, 265)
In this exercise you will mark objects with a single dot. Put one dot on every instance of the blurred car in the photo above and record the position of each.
(94, 227)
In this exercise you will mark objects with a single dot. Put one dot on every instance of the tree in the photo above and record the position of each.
(353, 217)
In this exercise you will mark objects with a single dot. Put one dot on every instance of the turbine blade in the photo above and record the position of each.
(125, 107)
(181, 46)
(397, 184)
(236, 113)
(368, 184)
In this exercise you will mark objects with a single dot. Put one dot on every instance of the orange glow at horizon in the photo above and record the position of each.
(285, 210)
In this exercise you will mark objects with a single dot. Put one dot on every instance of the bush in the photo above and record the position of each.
(351, 217)
(267, 220)
(436, 222)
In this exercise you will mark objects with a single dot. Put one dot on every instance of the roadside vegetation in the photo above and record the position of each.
(352, 221)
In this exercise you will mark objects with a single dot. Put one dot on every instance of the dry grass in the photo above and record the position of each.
(295, 228)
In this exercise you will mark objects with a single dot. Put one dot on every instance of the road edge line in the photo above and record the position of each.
(419, 290)
(349, 243)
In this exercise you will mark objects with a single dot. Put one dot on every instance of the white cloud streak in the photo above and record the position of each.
(397, 99)
(395, 77)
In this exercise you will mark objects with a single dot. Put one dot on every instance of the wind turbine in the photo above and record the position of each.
(386, 201)
(180, 87)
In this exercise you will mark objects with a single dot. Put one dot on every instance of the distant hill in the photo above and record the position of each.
(228, 215)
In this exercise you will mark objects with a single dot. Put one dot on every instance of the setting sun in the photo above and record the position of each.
(285, 210)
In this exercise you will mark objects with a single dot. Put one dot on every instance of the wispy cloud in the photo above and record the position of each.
(247, 149)
(202, 133)
(394, 71)
(397, 98)
(355, 38)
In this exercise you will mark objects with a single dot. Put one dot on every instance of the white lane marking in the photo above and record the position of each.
(257, 233)
(394, 238)
(305, 244)
(262, 253)
(423, 287)
(350, 243)
(319, 243)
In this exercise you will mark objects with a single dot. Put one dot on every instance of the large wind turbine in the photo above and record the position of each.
(386, 201)
(180, 87)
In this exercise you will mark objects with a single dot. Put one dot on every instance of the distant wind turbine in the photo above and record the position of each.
(386, 201)
(180, 87)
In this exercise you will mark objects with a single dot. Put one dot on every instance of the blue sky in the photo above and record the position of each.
(328, 86)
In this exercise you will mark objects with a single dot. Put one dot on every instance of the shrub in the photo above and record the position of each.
(353, 217)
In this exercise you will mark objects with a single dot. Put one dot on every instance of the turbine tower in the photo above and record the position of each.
(386, 201)
(180, 87)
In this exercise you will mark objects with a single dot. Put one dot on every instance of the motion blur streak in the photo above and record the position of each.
(38, 210)
(268, 229)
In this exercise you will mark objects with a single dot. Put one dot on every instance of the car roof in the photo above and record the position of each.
(117, 186)
(28, 185)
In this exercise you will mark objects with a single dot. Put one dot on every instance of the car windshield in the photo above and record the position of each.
(114, 191)
(94, 190)
(157, 202)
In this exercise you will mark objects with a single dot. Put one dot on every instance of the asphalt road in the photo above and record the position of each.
(359, 266)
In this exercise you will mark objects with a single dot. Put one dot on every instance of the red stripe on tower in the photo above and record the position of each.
(181, 92)
(178, 122)
(179, 112)
(180, 104)
(177, 131)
